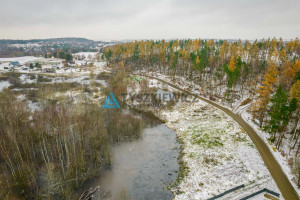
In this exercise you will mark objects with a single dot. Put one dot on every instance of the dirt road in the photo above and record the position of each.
(275, 169)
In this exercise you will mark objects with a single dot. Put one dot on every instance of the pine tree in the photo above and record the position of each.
(280, 113)
(233, 71)
(203, 58)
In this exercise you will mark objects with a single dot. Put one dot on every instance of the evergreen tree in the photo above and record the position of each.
(68, 57)
(280, 113)
(135, 53)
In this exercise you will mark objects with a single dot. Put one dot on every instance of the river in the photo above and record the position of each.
(143, 168)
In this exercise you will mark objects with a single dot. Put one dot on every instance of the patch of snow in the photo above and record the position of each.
(4, 84)
(21, 60)
(218, 153)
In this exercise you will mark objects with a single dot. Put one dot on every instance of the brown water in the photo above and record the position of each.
(143, 168)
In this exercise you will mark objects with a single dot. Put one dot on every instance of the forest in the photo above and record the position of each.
(263, 75)
(53, 151)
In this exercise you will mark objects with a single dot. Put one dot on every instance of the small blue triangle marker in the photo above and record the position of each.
(111, 102)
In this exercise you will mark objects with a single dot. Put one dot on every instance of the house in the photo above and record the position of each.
(14, 64)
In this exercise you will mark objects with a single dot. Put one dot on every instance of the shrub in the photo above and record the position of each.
(43, 79)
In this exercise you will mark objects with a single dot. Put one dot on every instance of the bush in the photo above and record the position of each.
(87, 89)
(14, 79)
(32, 95)
(43, 79)
(102, 76)
(32, 76)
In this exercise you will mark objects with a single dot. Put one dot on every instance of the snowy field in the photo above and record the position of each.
(49, 63)
(243, 111)
(88, 56)
(22, 60)
(218, 153)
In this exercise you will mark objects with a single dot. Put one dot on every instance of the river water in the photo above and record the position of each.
(143, 168)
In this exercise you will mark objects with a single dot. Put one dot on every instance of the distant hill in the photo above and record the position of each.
(51, 40)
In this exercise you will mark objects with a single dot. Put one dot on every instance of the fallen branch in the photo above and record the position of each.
(88, 195)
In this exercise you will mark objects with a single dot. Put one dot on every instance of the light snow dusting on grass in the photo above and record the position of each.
(218, 153)
(282, 157)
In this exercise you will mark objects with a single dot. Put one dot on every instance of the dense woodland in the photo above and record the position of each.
(50, 152)
(265, 75)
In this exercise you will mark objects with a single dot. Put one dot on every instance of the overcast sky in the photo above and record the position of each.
(155, 19)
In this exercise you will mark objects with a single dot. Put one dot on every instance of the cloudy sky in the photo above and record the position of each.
(152, 19)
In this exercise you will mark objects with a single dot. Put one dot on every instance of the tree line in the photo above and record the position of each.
(263, 74)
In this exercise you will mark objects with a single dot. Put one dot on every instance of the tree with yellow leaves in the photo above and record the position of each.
(288, 73)
(223, 51)
(197, 61)
(295, 91)
(282, 55)
(264, 91)
(231, 65)
(296, 67)
(295, 95)
(195, 45)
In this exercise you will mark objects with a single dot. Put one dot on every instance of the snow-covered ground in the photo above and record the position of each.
(22, 60)
(282, 160)
(25, 45)
(88, 56)
(4, 84)
(85, 75)
(49, 64)
(218, 153)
